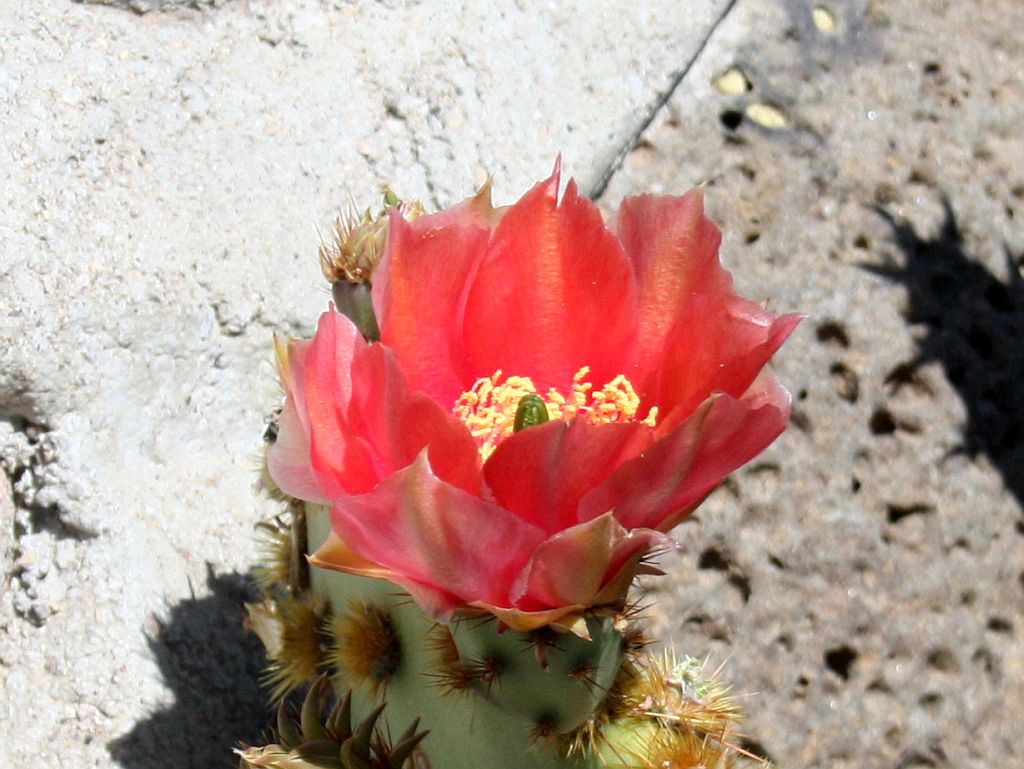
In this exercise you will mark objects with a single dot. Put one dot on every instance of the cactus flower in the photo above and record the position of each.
(432, 447)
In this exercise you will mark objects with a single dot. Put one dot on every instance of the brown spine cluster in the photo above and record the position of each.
(358, 241)
(366, 648)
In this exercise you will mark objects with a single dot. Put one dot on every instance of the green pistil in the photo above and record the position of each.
(531, 411)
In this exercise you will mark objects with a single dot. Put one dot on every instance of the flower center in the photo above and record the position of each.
(489, 407)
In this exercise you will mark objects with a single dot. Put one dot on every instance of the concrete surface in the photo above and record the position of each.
(165, 174)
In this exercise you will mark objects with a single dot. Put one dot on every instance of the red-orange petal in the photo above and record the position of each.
(719, 343)
(662, 486)
(541, 473)
(419, 294)
(476, 211)
(395, 426)
(674, 250)
(554, 292)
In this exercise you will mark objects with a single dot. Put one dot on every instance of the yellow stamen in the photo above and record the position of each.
(489, 407)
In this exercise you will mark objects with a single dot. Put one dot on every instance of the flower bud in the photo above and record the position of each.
(351, 258)
(353, 301)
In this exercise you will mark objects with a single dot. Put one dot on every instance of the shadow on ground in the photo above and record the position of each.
(213, 666)
(974, 327)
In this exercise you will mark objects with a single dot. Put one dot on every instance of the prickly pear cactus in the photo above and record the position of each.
(544, 665)
(466, 695)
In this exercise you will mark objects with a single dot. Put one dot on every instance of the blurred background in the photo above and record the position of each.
(168, 167)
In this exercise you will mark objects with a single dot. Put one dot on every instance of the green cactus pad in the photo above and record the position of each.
(467, 695)
(557, 680)
(495, 726)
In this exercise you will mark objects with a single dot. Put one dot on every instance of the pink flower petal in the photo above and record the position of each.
(554, 293)
(453, 454)
(337, 457)
(661, 486)
(312, 433)
(379, 393)
(288, 458)
(437, 535)
(336, 555)
(573, 566)
(541, 473)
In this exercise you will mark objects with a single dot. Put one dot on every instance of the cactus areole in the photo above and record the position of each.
(504, 412)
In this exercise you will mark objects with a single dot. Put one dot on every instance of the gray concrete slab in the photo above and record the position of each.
(164, 178)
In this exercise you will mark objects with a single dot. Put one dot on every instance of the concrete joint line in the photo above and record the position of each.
(602, 183)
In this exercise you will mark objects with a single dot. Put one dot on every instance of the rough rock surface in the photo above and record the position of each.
(866, 576)
(164, 175)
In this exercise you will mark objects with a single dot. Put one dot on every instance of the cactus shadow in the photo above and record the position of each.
(973, 326)
(212, 665)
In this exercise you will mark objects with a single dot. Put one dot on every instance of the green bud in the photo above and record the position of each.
(531, 411)
(355, 302)
(391, 199)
